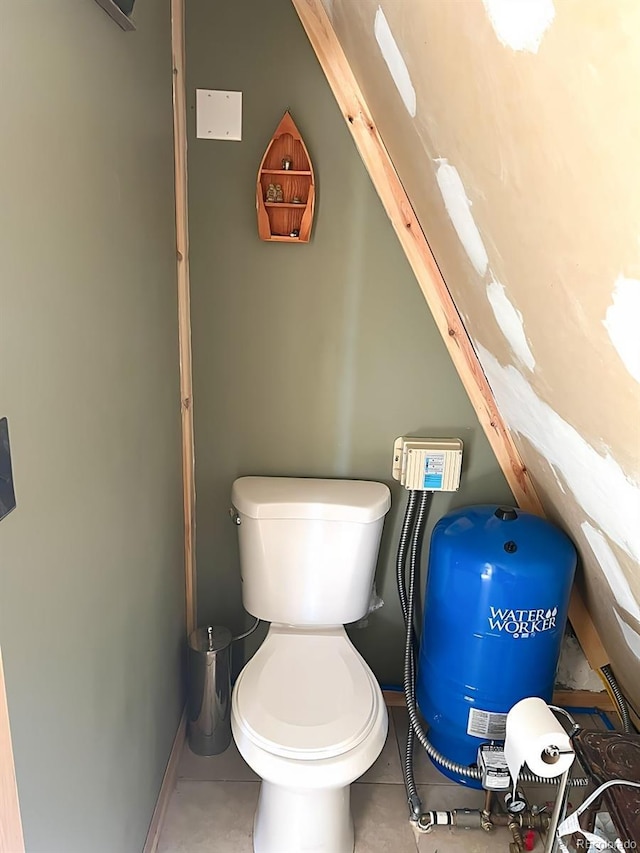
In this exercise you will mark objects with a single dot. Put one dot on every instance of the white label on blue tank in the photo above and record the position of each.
(521, 624)
(434, 471)
(488, 725)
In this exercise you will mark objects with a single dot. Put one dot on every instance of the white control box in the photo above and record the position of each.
(218, 114)
(428, 464)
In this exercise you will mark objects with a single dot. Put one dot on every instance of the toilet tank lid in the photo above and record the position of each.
(301, 497)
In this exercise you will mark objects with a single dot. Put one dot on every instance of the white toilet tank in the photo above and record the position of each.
(308, 547)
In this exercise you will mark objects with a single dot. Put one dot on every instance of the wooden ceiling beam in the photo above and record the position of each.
(405, 223)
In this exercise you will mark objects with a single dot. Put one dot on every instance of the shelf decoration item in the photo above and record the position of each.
(271, 193)
(285, 189)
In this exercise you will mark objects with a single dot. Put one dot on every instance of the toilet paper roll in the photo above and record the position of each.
(536, 738)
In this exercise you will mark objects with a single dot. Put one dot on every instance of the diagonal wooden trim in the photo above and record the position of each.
(378, 163)
(184, 306)
(11, 838)
(167, 788)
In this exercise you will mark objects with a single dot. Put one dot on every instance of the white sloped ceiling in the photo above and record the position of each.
(514, 126)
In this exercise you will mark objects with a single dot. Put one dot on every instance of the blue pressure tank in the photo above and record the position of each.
(495, 610)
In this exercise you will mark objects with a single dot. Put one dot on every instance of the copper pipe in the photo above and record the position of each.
(525, 820)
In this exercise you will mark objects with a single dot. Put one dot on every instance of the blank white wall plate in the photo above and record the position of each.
(218, 114)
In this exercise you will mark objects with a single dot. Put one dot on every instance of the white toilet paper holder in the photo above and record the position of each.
(551, 755)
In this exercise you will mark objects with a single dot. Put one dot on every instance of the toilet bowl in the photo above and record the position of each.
(309, 718)
(307, 713)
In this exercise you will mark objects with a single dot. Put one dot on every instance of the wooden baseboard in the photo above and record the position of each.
(563, 698)
(167, 788)
(584, 699)
(394, 698)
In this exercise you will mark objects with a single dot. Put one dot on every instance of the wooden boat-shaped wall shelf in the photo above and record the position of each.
(285, 190)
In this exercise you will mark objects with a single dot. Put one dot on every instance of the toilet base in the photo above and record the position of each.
(294, 820)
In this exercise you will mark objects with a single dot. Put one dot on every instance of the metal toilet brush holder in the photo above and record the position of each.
(209, 688)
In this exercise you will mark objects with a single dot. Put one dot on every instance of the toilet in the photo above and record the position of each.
(307, 713)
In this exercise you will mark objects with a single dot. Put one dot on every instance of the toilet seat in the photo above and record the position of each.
(306, 696)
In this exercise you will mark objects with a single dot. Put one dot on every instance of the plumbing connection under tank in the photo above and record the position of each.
(495, 610)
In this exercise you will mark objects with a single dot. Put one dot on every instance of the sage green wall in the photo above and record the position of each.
(310, 359)
(91, 591)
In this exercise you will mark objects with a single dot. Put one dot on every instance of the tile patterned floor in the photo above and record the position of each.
(212, 809)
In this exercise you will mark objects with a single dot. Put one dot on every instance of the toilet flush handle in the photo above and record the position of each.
(235, 515)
